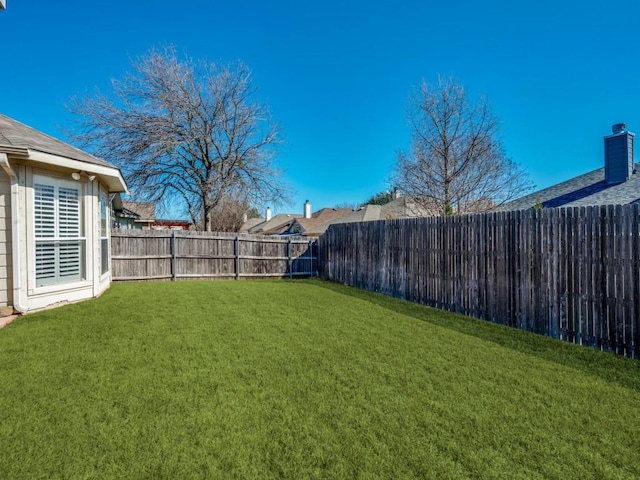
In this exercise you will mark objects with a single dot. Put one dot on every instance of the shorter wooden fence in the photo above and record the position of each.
(174, 255)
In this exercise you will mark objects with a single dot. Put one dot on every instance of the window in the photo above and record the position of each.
(60, 244)
(104, 234)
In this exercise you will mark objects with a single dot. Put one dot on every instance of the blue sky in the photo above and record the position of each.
(337, 75)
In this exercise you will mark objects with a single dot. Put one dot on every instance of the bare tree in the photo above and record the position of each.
(457, 163)
(185, 131)
(230, 213)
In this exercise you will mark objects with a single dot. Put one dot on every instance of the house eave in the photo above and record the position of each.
(111, 176)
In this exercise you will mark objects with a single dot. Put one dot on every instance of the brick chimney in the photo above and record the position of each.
(618, 154)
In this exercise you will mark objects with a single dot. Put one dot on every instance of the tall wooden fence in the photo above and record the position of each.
(572, 274)
(173, 255)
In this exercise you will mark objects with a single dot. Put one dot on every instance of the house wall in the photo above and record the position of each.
(35, 297)
(123, 222)
(6, 278)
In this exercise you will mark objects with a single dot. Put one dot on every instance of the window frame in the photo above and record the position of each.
(58, 233)
(103, 235)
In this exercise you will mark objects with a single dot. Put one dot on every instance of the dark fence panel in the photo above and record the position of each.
(572, 274)
(173, 255)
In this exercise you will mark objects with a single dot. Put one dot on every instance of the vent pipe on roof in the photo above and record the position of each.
(618, 154)
(307, 209)
(268, 214)
(618, 128)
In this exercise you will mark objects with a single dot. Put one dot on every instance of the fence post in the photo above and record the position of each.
(310, 250)
(172, 246)
(236, 252)
(289, 263)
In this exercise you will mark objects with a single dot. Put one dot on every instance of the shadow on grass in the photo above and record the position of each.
(608, 366)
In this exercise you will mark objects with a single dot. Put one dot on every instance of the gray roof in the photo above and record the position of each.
(146, 211)
(319, 221)
(363, 214)
(16, 134)
(406, 207)
(584, 190)
(294, 224)
(402, 207)
(273, 225)
(249, 224)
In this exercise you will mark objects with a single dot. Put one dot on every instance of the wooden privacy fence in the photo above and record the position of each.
(572, 274)
(172, 255)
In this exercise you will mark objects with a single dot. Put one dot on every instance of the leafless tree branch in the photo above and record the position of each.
(457, 163)
(185, 131)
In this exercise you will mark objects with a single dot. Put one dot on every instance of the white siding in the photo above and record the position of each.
(6, 283)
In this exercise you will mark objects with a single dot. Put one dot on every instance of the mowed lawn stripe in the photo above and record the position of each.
(302, 379)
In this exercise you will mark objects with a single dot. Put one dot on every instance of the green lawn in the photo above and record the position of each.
(303, 379)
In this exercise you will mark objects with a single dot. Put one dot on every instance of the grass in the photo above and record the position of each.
(303, 379)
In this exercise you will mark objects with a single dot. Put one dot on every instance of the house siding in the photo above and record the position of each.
(6, 284)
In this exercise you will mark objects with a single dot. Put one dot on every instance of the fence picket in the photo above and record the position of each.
(573, 274)
(167, 255)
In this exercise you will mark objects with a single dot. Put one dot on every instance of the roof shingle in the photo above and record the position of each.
(583, 190)
(16, 134)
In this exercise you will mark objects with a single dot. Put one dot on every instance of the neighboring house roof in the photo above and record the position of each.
(278, 229)
(584, 190)
(318, 223)
(249, 224)
(24, 142)
(362, 214)
(321, 220)
(171, 224)
(405, 207)
(617, 183)
(294, 224)
(126, 213)
(274, 226)
(146, 211)
(402, 207)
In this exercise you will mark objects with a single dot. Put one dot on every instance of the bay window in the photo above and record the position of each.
(104, 232)
(60, 243)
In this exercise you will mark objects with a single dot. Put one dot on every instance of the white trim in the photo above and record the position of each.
(83, 219)
(111, 176)
(16, 241)
(61, 239)
(105, 276)
(58, 287)
(107, 237)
